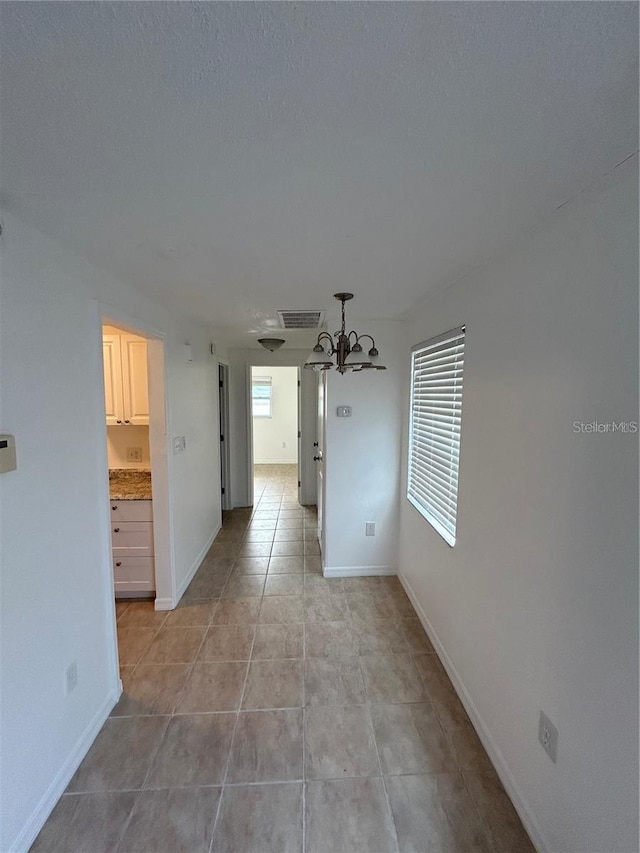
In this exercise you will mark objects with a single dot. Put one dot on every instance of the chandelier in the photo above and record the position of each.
(346, 349)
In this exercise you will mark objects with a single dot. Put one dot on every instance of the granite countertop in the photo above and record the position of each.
(130, 484)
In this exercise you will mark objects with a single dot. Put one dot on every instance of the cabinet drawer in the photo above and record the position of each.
(136, 574)
(131, 510)
(132, 539)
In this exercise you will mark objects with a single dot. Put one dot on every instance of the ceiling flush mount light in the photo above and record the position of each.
(272, 344)
(347, 350)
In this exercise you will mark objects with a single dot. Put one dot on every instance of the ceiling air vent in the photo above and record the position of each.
(301, 319)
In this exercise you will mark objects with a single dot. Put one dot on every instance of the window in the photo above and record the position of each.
(434, 430)
(261, 396)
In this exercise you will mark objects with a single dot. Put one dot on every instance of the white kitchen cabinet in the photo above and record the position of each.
(132, 548)
(112, 379)
(125, 380)
(134, 577)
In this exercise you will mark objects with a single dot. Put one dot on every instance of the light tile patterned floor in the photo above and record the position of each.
(275, 711)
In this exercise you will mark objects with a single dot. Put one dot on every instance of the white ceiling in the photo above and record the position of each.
(233, 159)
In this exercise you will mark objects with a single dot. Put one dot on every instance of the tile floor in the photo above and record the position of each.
(275, 711)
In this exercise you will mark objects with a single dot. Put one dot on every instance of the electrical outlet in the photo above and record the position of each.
(548, 736)
(70, 678)
(370, 528)
(134, 454)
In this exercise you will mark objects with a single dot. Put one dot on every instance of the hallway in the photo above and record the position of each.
(275, 710)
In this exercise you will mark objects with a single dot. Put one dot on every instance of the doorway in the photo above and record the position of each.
(225, 454)
(136, 437)
(275, 427)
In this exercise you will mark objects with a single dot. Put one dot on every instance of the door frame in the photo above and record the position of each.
(159, 432)
(306, 424)
(308, 405)
(225, 429)
(250, 465)
(320, 387)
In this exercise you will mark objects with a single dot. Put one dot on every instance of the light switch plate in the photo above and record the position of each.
(343, 411)
(179, 443)
(7, 453)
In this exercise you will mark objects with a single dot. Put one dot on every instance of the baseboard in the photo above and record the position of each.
(519, 803)
(56, 789)
(356, 571)
(277, 462)
(163, 604)
(194, 568)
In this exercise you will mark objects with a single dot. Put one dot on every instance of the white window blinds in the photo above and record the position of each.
(261, 389)
(434, 430)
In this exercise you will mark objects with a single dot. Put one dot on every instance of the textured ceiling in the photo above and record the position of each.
(237, 158)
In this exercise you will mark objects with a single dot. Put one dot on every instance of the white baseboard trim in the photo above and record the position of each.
(194, 568)
(356, 571)
(163, 604)
(276, 462)
(56, 789)
(519, 803)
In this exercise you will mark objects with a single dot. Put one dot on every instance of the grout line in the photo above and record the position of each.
(384, 784)
(304, 738)
(262, 784)
(233, 733)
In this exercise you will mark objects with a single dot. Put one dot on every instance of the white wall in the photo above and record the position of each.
(57, 589)
(536, 607)
(269, 434)
(119, 438)
(362, 453)
(362, 460)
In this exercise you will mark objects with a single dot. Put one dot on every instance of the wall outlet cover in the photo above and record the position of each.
(70, 678)
(548, 736)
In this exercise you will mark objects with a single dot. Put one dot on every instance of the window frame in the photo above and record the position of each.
(446, 523)
(265, 381)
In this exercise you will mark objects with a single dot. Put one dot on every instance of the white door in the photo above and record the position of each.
(112, 379)
(301, 496)
(135, 387)
(318, 457)
(225, 481)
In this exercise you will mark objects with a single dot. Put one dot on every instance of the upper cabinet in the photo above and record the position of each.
(125, 380)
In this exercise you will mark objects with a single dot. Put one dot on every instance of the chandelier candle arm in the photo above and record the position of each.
(347, 357)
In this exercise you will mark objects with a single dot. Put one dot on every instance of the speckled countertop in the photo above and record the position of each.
(130, 484)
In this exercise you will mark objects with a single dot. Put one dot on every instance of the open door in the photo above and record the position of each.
(307, 426)
(225, 462)
(301, 475)
(319, 454)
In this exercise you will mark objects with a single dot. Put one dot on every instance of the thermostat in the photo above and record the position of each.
(7, 453)
(343, 411)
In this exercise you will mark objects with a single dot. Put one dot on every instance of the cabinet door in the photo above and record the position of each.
(112, 379)
(135, 388)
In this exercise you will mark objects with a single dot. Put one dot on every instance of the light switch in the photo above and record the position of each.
(343, 411)
(7, 454)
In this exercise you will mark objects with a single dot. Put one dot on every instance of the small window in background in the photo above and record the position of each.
(261, 396)
(434, 430)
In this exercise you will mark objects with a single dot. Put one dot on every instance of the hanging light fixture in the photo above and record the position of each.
(347, 350)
